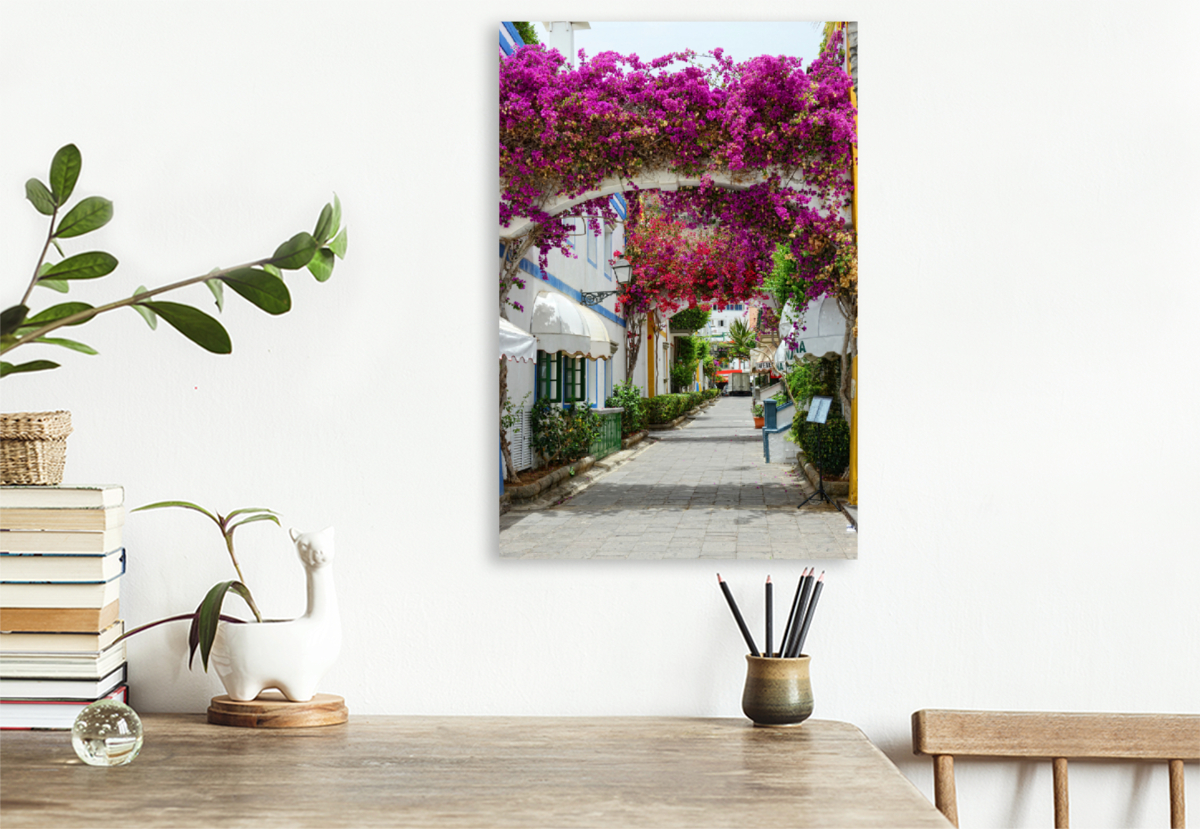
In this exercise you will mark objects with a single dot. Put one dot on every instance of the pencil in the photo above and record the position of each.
(808, 616)
(737, 615)
(770, 612)
(790, 647)
(791, 622)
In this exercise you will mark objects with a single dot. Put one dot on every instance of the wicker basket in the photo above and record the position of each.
(33, 447)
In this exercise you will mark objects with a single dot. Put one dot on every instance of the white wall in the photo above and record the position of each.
(1028, 173)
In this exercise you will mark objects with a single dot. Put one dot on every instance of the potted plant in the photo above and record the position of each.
(759, 420)
(33, 445)
(249, 657)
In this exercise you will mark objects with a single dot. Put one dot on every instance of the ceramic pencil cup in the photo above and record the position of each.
(778, 691)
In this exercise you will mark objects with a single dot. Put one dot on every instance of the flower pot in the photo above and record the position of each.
(759, 422)
(290, 655)
(777, 691)
(33, 447)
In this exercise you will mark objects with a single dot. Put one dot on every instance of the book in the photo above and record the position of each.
(86, 519)
(59, 541)
(20, 643)
(54, 595)
(59, 620)
(91, 689)
(63, 666)
(50, 714)
(100, 496)
(61, 567)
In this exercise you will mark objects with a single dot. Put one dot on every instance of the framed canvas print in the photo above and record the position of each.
(678, 282)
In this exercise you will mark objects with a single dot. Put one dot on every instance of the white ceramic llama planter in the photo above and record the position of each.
(292, 655)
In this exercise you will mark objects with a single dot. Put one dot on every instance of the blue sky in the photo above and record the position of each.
(741, 40)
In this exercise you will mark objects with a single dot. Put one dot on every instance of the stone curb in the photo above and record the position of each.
(529, 491)
(558, 493)
(838, 488)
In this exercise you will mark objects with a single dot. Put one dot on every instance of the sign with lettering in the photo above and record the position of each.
(818, 410)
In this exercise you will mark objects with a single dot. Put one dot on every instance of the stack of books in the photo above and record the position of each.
(61, 562)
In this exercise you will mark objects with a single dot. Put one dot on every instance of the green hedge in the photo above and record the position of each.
(630, 397)
(833, 455)
(666, 407)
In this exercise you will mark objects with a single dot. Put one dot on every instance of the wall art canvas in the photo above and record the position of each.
(678, 281)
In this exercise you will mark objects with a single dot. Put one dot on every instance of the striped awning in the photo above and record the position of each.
(516, 345)
(561, 324)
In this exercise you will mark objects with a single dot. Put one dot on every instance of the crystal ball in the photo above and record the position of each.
(107, 733)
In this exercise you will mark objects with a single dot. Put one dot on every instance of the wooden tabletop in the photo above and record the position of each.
(466, 771)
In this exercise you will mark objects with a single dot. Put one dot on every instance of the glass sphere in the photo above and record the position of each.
(107, 733)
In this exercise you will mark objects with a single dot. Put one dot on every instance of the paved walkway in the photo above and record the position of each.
(701, 491)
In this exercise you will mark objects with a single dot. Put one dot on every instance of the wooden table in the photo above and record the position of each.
(466, 771)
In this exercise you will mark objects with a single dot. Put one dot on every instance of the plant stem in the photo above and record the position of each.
(133, 300)
(178, 618)
(37, 269)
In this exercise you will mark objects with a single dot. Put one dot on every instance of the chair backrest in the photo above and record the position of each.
(944, 735)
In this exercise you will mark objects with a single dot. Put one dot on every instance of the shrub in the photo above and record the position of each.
(630, 397)
(562, 436)
(690, 319)
(821, 378)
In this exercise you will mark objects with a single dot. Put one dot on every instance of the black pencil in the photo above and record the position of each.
(804, 588)
(737, 615)
(791, 622)
(770, 612)
(791, 648)
(808, 616)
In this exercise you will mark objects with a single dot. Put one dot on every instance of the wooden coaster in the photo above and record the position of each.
(271, 709)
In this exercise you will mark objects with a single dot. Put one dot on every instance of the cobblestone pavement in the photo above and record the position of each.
(701, 491)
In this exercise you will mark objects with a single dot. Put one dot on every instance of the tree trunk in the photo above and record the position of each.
(849, 309)
(510, 472)
(633, 342)
(513, 254)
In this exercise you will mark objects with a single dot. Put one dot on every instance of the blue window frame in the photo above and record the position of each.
(591, 244)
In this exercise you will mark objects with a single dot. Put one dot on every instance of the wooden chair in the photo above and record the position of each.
(945, 735)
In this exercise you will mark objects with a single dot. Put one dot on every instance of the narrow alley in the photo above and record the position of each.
(700, 491)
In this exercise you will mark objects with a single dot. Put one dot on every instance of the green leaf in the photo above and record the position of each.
(64, 172)
(251, 520)
(337, 214)
(194, 324)
(65, 343)
(60, 285)
(245, 510)
(274, 271)
(11, 319)
(218, 292)
(91, 213)
(56, 312)
(208, 615)
(295, 253)
(39, 195)
(322, 264)
(37, 365)
(325, 227)
(338, 245)
(261, 288)
(183, 504)
(149, 316)
(89, 265)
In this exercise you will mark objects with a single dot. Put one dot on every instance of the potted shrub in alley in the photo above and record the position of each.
(759, 420)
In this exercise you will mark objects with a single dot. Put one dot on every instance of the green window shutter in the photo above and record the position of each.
(556, 385)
